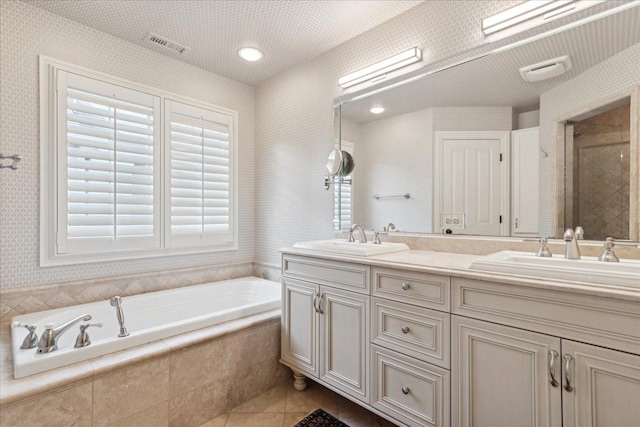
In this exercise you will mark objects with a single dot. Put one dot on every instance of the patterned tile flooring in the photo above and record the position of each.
(283, 406)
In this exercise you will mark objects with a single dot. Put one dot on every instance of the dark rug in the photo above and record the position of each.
(319, 418)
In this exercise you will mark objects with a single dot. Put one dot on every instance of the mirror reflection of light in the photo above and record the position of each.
(377, 110)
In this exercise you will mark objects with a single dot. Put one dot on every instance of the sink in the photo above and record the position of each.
(586, 269)
(341, 246)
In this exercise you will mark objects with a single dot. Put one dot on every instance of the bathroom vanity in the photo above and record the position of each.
(423, 340)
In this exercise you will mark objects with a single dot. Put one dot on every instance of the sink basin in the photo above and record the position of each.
(586, 269)
(340, 246)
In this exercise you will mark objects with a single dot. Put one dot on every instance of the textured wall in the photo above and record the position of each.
(615, 77)
(25, 33)
(294, 116)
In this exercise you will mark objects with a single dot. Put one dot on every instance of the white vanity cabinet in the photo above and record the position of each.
(501, 376)
(325, 327)
(506, 374)
(427, 349)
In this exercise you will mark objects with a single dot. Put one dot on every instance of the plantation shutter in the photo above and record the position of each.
(108, 166)
(342, 195)
(201, 182)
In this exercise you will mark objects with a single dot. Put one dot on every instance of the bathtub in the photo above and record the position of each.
(148, 317)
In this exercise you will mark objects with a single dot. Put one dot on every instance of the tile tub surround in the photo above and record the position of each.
(23, 300)
(185, 380)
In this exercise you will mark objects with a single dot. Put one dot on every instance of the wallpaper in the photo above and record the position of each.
(25, 33)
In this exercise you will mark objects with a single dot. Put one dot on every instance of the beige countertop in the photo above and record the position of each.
(458, 265)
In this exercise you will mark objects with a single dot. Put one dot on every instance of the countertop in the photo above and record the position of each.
(458, 265)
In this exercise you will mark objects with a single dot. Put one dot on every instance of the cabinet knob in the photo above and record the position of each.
(405, 286)
(405, 329)
(405, 390)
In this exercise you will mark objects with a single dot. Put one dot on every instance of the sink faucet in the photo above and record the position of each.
(572, 251)
(117, 303)
(49, 338)
(354, 227)
(608, 255)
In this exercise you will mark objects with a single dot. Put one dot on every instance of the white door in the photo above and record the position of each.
(502, 376)
(344, 341)
(604, 387)
(299, 325)
(525, 170)
(473, 171)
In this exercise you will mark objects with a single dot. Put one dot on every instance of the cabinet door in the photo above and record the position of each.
(344, 339)
(526, 155)
(501, 376)
(299, 325)
(605, 386)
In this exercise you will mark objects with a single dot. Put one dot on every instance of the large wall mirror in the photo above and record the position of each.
(477, 149)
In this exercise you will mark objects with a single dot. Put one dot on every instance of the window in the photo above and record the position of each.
(130, 171)
(200, 181)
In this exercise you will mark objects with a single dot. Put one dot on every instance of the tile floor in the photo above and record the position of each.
(283, 406)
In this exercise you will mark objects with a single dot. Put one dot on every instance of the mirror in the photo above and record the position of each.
(334, 162)
(482, 151)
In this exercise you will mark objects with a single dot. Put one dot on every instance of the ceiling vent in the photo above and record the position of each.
(166, 43)
(546, 69)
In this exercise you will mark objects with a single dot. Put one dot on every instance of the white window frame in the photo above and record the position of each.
(49, 187)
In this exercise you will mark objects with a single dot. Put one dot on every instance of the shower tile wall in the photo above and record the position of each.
(616, 76)
(601, 188)
(25, 33)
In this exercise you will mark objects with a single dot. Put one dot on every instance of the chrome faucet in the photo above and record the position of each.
(543, 250)
(117, 303)
(354, 227)
(49, 338)
(572, 251)
(607, 255)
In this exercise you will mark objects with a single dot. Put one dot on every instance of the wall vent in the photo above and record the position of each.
(166, 43)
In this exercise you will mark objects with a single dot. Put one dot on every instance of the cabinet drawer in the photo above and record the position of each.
(410, 390)
(425, 290)
(344, 275)
(414, 331)
(602, 321)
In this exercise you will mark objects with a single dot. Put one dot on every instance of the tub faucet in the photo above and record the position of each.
(572, 251)
(49, 338)
(354, 227)
(117, 303)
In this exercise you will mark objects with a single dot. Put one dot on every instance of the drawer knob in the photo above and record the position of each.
(405, 286)
(405, 390)
(405, 329)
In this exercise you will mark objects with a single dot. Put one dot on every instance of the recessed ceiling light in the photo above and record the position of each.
(377, 110)
(250, 54)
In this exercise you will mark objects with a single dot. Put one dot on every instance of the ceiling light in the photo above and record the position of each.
(377, 110)
(532, 13)
(250, 54)
(380, 68)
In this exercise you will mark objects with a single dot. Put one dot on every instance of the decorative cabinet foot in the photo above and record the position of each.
(299, 381)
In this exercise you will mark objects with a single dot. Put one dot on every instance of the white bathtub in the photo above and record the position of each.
(148, 317)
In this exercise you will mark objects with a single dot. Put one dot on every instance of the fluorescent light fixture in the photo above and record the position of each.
(377, 110)
(250, 54)
(533, 13)
(380, 68)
